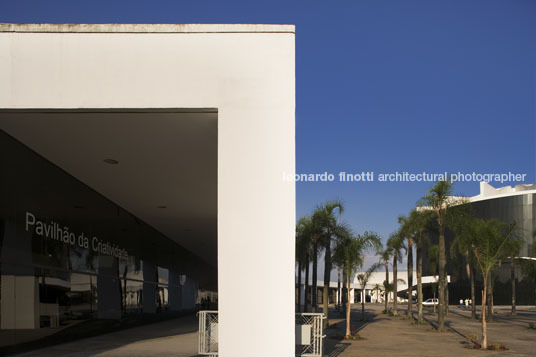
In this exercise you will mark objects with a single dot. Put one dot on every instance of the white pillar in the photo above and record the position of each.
(256, 207)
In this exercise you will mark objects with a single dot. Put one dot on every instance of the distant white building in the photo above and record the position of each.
(371, 293)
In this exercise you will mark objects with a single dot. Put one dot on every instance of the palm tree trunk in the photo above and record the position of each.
(489, 298)
(315, 279)
(470, 275)
(395, 286)
(513, 278)
(484, 326)
(345, 293)
(419, 280)
(434, 292)
(299, 285)
(327, 278)
(386, 292)
(348, 331)
(363, 304)
(338, 288)
(447, 298)
(473, 294)
(442, 275)
(306, 292)
(410, 275)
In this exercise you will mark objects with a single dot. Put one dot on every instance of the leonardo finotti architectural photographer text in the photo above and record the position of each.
(370, 176)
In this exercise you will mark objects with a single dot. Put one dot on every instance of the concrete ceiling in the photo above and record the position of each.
(166, 159)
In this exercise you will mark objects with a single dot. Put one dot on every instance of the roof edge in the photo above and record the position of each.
(146, 28)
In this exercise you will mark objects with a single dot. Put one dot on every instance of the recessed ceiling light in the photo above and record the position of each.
(111, 161)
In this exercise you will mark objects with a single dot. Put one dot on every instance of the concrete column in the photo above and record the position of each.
(108, 290)
(20, 289)
(255, 149)
(149, 288)
(174, 291)
(20, 302)
(189, 294)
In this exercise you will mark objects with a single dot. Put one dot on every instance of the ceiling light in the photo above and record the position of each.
(111, 161)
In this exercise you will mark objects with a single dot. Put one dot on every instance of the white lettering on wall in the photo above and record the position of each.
(53, 230)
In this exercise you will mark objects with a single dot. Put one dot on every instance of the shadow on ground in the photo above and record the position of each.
(122, 342)
(334, 343)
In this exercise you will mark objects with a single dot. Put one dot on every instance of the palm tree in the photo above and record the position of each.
(512, 250)
(408, 232)
(438, 199)
(338, 306)
(433, 262)
(460, 221)
(492, 240)
(396, 243)
(314, 250)
(349, 254)
(385, 257)
(378, 289)
(338, 288)
(304, 231)
(528, 266)
(363, 279)
(329, 228)
(418, 221)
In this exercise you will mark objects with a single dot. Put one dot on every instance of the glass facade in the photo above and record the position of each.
(510, 209)
(518, 208)
(69, 254)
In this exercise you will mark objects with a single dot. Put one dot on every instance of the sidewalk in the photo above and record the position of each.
(384, 335)
(176, 337)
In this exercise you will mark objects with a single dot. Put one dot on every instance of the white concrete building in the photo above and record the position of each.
(186, 128)
(370, 294)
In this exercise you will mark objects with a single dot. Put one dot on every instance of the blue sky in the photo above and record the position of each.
(382, 86)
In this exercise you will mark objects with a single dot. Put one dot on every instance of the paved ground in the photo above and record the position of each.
(176, 337)
(399, 336)
(382, 334)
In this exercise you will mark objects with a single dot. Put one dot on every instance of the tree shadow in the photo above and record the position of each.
(336, 350)
(334, 343)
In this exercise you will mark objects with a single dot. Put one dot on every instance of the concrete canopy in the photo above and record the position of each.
(167, 163)
(246, 72)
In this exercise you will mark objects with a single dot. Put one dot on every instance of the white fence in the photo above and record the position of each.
(208, 333)
(309, 335)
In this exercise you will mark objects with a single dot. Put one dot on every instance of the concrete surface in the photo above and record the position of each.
(384, 335)
(176, 337)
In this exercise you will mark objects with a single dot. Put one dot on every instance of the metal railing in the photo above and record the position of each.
(309, 337)
(208, 333)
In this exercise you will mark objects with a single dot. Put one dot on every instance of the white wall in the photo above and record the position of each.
(246, 72)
